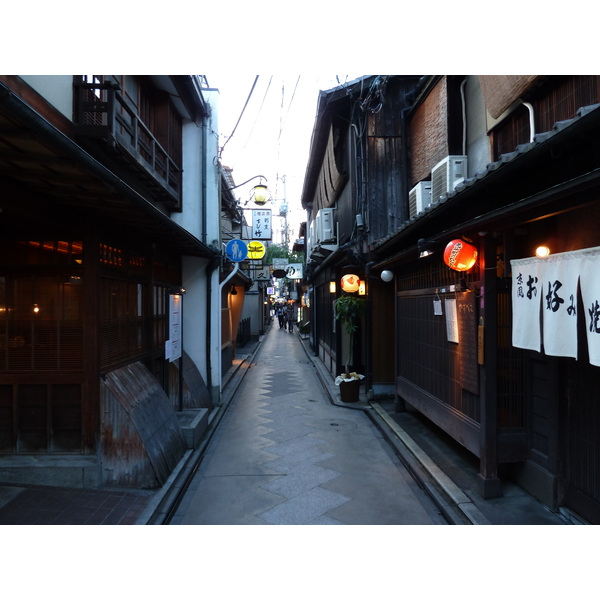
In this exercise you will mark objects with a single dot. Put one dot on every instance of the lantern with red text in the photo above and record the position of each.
(350, 283)
(460, 255)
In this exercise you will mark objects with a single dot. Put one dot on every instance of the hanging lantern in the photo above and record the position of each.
(460, 255)
(260, 194)
(350, 283)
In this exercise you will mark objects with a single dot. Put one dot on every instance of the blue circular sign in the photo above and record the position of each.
(236, 250)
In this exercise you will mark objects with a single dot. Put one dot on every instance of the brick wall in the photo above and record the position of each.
(500, 91)
(429, 132)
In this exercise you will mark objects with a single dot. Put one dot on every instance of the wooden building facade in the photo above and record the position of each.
(90, 258)
(507, 164)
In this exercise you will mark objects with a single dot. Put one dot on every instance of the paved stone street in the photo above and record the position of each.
(283, 454)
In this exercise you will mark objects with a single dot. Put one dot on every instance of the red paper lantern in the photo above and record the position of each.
(460, 255)
(350, 283)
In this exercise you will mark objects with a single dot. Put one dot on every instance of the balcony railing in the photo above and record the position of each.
(102, 112)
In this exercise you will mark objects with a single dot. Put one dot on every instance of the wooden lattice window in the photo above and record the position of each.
(123, 322)
(41, 323)
(558, 99)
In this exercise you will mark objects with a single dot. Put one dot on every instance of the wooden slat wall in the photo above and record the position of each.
(330, 179)
(139, 429)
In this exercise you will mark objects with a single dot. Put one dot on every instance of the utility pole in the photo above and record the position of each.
(283, 212)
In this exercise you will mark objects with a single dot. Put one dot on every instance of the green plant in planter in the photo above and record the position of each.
(348, 310)
(304, 328)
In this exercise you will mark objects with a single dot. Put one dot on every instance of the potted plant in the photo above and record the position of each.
(304, 329)
(348, 310)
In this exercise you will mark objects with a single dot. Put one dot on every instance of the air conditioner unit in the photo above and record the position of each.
(312, 235)
(446, 175)
(325, 229)
(419, 197)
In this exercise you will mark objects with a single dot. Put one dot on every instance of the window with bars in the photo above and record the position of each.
(123, 322)
(41, 323)
(558, 99)
(56, 252)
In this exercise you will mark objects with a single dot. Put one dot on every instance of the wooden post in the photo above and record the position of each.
(90, 403)
(489, 483)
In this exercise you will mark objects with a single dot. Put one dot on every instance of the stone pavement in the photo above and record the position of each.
(287, 450)
(284, 455)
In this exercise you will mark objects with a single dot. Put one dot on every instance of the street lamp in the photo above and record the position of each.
(259, 192)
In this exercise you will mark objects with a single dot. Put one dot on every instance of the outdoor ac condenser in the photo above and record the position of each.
(325, 226)
(446, 175)
(419, 198)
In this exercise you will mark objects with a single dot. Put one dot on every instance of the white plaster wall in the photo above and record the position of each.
(478, 143)
(56, 89)
(195, 311)
(190, 218)
(200, 152)
(200, 183)
(252, 309)
(213, 198)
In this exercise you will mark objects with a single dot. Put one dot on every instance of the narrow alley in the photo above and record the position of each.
(284, 454)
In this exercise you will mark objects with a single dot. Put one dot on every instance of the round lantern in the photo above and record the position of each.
(460, 255)
(260, 194)
(350, 283)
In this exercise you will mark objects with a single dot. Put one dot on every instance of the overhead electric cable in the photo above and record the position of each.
(259, 111)
(240, 117)
(289, 107)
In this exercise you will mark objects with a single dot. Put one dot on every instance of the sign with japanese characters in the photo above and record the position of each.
(263, 274)
(294, 270)
(174, 349)
(261, 224)
(544, 298)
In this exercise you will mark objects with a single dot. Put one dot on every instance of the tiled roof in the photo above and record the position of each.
(538, 139)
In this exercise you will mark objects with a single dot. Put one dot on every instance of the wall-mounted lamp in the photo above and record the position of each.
(426, 247)
(386, 276)
(233, 291)
(362, 288)
(177, 290)
(36, 309)
(259, 194)
(332, 287)
(542, 251)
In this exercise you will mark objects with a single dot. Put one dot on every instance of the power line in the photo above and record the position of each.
(259, 111)
(240, 117)
(289, 107)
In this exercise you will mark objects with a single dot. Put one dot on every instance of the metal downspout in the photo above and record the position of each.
(210, 269)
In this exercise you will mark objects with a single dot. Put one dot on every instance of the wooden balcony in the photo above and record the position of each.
(107, 118)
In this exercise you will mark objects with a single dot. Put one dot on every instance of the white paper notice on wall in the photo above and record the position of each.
(437, 307)
(451, 321)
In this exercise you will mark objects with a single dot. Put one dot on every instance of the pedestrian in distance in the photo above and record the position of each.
(291, 319)
(280, 317)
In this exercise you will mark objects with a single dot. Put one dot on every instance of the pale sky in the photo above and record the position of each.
(273, 135)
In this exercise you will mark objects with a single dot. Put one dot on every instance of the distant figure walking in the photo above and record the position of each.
(280, 313)
(290, 317)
